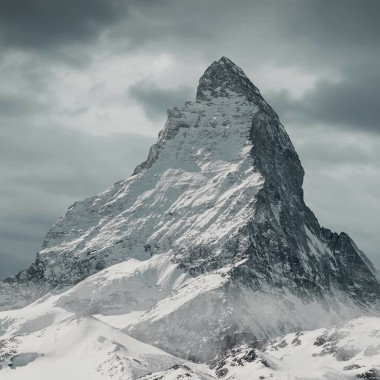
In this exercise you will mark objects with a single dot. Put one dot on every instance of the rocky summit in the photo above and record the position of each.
(207, 246)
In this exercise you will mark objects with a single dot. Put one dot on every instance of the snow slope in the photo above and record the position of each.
(43, 340)
(81, 348)
(191, 317)
(347, 351)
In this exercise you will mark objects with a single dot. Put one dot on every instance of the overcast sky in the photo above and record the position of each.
(85, 85)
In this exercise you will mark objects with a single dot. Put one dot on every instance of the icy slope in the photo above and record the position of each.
(192, 317)
(81, 348)
(210, 242)
(44, 339)
(347, 351)
(195, 317)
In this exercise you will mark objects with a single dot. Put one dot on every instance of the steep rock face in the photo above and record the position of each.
(225, 246)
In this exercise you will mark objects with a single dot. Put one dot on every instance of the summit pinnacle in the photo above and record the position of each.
(222, 78)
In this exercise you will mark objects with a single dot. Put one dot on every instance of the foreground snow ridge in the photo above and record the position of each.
(205, 263)
(84, 347)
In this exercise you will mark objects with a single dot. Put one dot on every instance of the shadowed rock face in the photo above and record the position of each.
(223, 78)
(219, 195)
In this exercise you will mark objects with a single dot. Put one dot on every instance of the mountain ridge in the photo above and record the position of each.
(215, 224)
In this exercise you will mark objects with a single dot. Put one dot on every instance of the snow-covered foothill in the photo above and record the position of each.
(347, 351)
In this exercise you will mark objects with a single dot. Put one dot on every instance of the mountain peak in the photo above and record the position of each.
(211, 239)
(223, 77)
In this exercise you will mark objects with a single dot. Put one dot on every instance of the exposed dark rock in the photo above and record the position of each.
(372, 374)
(351, 367)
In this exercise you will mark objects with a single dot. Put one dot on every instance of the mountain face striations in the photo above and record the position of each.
(209, 243)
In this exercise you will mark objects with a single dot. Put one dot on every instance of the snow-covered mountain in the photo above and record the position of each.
(43, 340)
(207, 245)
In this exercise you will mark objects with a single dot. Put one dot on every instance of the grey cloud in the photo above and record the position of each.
(155, 100)
(307, 34)
(351, 102)
(198, 29)
(333, 25)
(41, 24)
(335, 152)
(19, 105)
(292, 31)
(64, 162)
(16, 254)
